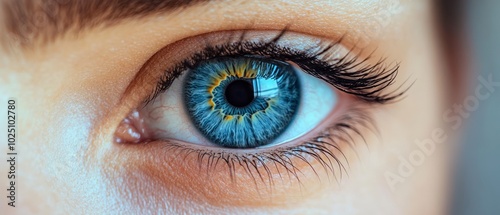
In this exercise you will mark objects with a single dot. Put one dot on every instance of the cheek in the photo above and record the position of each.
(53, 129)
(57, 110)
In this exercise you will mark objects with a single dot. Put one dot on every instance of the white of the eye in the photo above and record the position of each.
(167, 118)
(318, 99)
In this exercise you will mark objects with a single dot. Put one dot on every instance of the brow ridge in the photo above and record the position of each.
(30, 22)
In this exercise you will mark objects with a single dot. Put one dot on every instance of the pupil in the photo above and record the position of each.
(239, 93)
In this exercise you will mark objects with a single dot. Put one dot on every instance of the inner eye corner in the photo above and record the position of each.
(131, 129)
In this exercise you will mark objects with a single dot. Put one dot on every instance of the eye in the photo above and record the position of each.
(261, 103)
(243, 102)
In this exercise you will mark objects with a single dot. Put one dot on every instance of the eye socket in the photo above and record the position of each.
(325, 142)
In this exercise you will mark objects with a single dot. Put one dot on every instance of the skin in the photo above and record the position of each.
(72, 95)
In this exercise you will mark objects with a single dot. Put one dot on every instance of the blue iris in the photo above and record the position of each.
(243, 102)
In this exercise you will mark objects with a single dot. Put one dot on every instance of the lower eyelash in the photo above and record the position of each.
(327, 149)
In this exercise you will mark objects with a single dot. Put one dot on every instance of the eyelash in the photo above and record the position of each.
(325, 149)
(347, 74)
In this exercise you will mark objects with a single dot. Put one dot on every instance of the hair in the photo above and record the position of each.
(453, 37)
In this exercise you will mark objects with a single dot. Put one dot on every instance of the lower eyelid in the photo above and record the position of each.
(202, 174)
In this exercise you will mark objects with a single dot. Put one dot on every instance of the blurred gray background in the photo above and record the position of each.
(477, 185)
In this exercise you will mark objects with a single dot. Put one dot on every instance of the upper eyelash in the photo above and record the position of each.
(348, 74)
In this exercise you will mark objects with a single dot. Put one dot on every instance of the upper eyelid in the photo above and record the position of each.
(379, 74)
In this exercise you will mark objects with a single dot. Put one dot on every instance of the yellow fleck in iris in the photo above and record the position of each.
(211, 103)
(250, 73)
(215, 83)
(241, 70)
(228, 117)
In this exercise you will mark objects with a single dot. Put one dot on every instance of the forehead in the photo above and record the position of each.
(30, 21)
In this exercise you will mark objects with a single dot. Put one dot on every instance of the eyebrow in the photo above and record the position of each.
(28, 22)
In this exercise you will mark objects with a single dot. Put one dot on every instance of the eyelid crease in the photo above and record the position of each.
(346, 73)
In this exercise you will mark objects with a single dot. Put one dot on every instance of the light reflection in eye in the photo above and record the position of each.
(265, 87)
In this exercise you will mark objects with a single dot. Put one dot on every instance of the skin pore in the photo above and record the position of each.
(74, 91)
